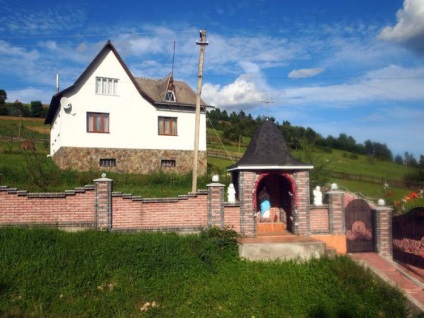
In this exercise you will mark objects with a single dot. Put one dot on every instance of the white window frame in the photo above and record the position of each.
(106, 86)
(170, 96)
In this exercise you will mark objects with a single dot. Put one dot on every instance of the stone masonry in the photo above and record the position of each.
(128, 160)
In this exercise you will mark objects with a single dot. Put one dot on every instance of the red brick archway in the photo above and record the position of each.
(283, 195)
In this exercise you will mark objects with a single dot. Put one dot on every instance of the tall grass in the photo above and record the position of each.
(49, 273)
(27, 175)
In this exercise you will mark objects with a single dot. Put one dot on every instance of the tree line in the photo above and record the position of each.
(235, 125)
(34, 109)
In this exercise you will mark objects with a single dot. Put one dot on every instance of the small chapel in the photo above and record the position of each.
(267, 165)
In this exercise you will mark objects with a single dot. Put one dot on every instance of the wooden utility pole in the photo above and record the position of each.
(202, 44)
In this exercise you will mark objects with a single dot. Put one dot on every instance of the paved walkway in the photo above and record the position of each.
(396, 275)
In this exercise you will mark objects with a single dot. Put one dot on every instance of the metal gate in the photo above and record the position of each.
(359, 227)
(408, 238)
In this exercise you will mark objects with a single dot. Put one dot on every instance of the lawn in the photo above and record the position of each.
(51, 273)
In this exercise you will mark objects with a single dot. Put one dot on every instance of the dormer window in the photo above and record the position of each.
(170, 96)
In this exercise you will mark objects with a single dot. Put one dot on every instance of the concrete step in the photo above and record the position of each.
(330, 251)
(281, 247)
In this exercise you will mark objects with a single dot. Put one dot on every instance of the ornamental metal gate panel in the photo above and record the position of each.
(359, 227)
(408, 238)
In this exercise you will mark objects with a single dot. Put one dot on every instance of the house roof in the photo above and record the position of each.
(152, 90)
(268, 150)
(157, 88)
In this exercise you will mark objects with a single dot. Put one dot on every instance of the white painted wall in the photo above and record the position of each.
(133, 121)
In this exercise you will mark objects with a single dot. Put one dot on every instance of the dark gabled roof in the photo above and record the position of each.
(268, 150)
(152, 90)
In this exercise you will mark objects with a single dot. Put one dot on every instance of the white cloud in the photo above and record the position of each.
(409, 29)
(242, 93)
(305, 72)
(389, 84)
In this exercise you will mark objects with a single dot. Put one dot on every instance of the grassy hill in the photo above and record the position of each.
(371, 175)
(52, 273)
(14, 170)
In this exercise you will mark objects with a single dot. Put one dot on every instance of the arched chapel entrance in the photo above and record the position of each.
(282, 193)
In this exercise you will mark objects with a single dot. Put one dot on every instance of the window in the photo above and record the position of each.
(167, 163)
(170, 96)
(107, 162)
(106, 86)
(167, 126)
(98, 122)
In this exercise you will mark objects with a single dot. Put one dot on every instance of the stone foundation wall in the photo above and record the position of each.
(128, 160)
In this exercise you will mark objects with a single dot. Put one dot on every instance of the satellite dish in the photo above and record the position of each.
(64, 102)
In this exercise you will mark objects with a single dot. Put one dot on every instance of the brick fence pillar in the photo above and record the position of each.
(336, 215)
(383, 233)
(302, 212)
(103, 208)
(216, 204)
(246, 186)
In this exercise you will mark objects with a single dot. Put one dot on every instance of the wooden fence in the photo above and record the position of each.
(376, 180)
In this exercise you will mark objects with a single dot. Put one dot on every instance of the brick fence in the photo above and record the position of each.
(98, 207)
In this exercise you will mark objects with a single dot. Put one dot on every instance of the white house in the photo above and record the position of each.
(110, 120)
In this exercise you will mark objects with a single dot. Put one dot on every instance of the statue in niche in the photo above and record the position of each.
(265, 204)
(317, 196)
(231, 193)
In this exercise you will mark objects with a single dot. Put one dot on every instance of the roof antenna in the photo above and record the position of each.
(173, 60)
(57, 82)
(266, 102)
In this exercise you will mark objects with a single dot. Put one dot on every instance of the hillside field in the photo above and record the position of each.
(12, 159)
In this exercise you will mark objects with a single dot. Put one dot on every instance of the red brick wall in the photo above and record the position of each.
(232, 217)
(68, 209)
(319, 221)
(78, 209)
(185, 213)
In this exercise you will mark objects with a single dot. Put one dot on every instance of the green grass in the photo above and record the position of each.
(28, 128)
(51, 273)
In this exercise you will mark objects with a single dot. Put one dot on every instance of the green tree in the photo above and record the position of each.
(320, 175)
(3, 96)
(3, 110)
(399, 160)
(18, 109)
(36, 109)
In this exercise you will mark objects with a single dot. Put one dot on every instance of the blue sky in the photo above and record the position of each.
(354, 67)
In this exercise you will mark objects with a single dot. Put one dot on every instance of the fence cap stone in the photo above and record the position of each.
(215, 184)
(103, 180)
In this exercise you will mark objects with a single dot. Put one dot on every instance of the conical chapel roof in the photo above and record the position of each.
(268, 150)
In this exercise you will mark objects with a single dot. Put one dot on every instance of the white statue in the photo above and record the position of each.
(317, 196)
(231, 193)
